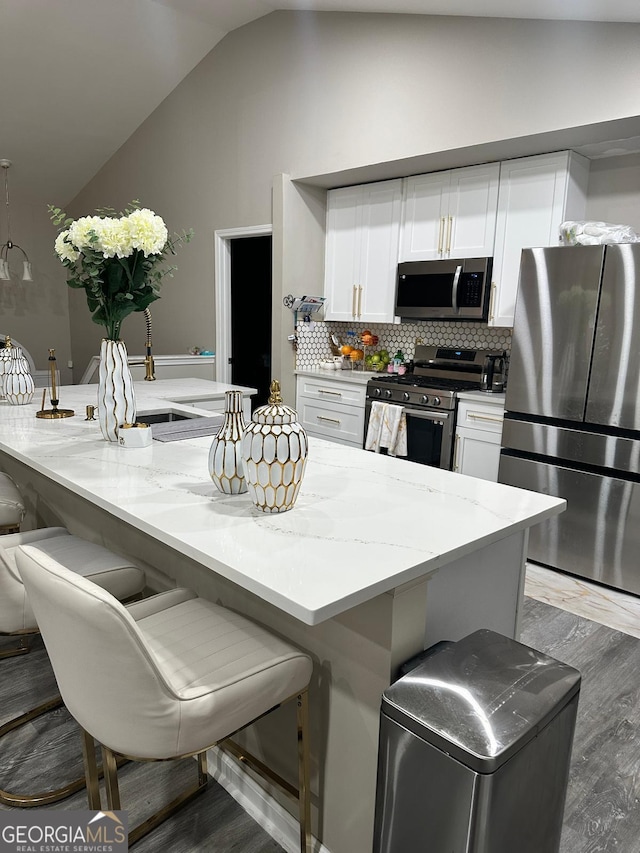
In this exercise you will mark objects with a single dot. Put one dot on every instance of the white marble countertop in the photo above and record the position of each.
(363, 524)
(180, 396)
(184, 359)
(483, 397)
(358, 377)
(361, 377)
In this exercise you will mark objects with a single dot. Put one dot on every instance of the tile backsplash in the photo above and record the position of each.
(313, 338)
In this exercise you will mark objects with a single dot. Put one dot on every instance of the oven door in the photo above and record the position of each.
(429, 436)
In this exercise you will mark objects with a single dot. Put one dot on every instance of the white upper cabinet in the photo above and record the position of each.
(536, 195)
(450, 214)
(361, 258)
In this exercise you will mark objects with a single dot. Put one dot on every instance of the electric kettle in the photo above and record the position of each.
(492, 377)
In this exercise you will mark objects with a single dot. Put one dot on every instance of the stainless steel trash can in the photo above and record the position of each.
(474, 753)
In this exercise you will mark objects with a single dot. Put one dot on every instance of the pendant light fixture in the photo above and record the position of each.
(6, 247)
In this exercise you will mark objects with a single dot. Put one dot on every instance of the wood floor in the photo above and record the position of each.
(602, 812)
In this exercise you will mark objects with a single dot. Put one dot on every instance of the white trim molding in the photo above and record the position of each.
(258, 802)
(222, 290)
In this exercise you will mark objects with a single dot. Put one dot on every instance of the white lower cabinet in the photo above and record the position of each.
(330, 409)
(478, 438)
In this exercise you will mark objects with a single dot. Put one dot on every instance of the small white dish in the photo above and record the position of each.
(134, 435)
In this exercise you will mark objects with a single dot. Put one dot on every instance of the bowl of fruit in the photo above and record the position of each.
(369, 339)
(377, 361)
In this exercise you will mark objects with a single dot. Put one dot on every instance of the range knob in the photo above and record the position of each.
(376, 392)
(436, 401)
(388, 394)
(406, 396)
(424, 399)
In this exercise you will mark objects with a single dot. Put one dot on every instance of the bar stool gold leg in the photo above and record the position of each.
(91, 773)
(47, 797)
(158, 817)
(25, 801)
(23, 648)
(111, 779)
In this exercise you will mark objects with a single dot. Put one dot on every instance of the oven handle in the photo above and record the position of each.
(429, 416)
(454, 294)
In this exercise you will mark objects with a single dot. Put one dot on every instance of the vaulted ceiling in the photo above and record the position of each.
(79, 76)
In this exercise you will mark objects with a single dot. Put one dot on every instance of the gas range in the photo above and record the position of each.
(418, 390)
(439, 373)
(429, 397)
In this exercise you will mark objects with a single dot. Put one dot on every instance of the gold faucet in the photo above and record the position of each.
(150, 371)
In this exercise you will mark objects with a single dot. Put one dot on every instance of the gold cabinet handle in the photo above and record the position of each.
(331, 420)
(333, 393)
(440, 233)
(492, 299)
(449, 234)
(455, 453)
(353, 301)
(474, 417)
(359, 301)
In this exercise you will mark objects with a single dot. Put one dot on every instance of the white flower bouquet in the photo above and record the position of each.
(118, 258)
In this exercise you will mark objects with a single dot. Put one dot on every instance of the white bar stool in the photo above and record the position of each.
(164, 678)
(99, 566)
(11, 505)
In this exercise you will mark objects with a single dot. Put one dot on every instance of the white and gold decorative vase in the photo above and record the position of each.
(5, 358)
(18, 382)
(274, 449)
(225, 456)
(116, 397)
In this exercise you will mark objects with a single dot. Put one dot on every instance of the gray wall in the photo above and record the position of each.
(305, 94)
(35, 313)
(614, 190)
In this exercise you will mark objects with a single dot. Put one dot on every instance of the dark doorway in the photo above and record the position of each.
(251, 315)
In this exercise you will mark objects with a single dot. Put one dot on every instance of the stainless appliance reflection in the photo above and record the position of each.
(572, 425)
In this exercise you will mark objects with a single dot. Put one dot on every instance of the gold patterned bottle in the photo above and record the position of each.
(19, 386)
(5, 358)
(274, 449)
(225, 455)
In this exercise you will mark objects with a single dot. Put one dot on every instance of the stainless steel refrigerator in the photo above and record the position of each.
(572, 425)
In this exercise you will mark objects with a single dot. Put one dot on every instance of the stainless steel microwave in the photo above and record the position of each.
(444, 290)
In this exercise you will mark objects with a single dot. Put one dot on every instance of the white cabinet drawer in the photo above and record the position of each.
(477, 454)
(337, 423)
(331, 391)
(484, 417)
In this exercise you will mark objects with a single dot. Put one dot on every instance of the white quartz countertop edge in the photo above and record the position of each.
(483, 397)
(356, 377)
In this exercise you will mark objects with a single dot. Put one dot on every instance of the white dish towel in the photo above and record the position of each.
(387, 428)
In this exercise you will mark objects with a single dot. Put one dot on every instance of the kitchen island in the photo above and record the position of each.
(378, 558)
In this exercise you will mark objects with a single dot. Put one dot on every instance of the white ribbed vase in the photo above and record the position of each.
(274, 449)
(116, 397)
(225, 456)
(5, 358)
(18, 384)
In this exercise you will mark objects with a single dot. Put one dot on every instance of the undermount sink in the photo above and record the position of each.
(165, 417)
